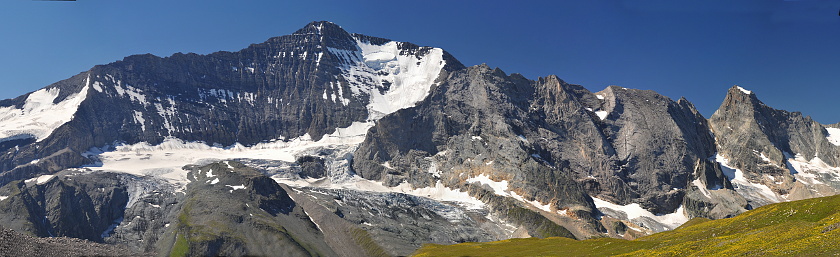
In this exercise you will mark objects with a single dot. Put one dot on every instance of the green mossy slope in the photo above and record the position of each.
(799, 228)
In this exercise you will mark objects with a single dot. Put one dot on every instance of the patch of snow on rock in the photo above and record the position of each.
(39, 116)
(236, 187)
(407, 78)
(634, 210)
(535, 203)
(744, 90)
(499, 188)
(703, 190)
(744, 186)
(602, 114)
(166, 159)
(833, 135)
(40, 180)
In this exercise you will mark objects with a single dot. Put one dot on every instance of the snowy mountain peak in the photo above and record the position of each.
(742, 90)
(319, 27)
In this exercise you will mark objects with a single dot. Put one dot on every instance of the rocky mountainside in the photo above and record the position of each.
(519, 138)
(309, 83)
(783, 155)
(329, 143)
(16, 244)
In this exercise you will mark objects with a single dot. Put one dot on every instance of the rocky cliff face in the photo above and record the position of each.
(789, 156)
(13, 243)
(70, 204)
(546, 142)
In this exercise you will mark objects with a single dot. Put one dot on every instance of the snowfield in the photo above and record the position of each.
(39, 116)
(406, 78)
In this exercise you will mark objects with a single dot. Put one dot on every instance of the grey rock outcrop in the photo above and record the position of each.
(72, 204)
(13, 243)
(232, 210)
(762, 141)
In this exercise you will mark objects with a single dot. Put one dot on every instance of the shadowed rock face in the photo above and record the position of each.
(80, 206)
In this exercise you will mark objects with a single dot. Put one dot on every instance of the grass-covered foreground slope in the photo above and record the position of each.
(800, 228)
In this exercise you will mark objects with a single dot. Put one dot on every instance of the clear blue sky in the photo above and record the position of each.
(788, 52)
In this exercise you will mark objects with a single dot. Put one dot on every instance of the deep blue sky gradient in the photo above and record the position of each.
(788, 52)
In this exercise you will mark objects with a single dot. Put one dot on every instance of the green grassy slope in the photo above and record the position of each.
(800, 228)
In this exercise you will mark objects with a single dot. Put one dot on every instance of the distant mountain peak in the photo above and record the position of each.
(738, 95)
(318, 27)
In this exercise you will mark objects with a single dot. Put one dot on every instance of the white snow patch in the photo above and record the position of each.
(434, 170)
(407, 78)
(138, 118)
(764, 158)
(744, 90)
(3, 197)
(535, 203)
(210, 173)
(808, 172)
(634, 210)
(600, 97)
(166, 159)
(387, 165)
(214, 181)
(833, 135)
(41, 179)
(39, 116)
(499, 188)
(699, 185)
(313, 220)
(236, 187)
(602, 114)
(135, 94)
(96, 85)
(743, 185)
